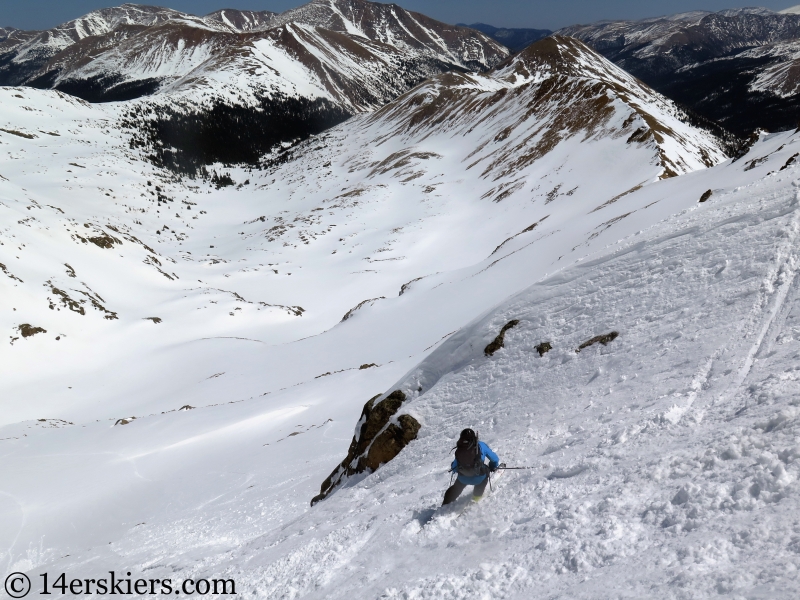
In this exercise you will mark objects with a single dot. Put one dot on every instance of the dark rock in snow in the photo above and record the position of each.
(600, 339)
(28, 330)
(498, 342)
(706, 195)
(378, 439)
(544, 348)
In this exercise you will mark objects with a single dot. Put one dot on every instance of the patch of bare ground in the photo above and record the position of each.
(405, 287)
(22, 134)
(528, 229)
(26, 330)
(76, 305)
(359, 306)
(618, 196)
(9, 274)
(96, 300)
(65, 299)
(603, 226)
(790, 162)
(399, 160)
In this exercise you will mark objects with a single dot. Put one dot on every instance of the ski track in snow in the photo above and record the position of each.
(666, 462)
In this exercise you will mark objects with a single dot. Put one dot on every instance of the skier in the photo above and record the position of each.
(469, 464)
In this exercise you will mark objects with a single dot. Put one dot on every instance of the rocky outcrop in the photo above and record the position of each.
(27, 330)
(380, 436)
(499, 341)
(600, 339)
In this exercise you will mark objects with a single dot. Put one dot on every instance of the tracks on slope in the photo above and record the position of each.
(769, 312)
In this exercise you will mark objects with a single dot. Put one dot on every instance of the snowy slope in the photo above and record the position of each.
(694, 395)
(196, 379)
(242, 20)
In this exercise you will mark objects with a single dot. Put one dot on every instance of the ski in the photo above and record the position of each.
(494, 477)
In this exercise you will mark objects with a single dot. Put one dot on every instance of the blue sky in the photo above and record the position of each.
(550, 14)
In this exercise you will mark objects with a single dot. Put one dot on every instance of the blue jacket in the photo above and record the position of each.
(486, 452)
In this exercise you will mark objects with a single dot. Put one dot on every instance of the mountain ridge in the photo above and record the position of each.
(735, 66)
(107, 43)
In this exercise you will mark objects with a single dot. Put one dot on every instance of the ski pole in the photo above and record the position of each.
(515, 468)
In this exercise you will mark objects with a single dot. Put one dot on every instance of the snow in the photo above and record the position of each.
(777, 78)
(665, 463)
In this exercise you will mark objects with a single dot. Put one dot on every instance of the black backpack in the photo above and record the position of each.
(468, 455)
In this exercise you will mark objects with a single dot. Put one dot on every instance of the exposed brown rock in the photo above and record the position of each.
(68, 302)
(499, 341)
(790, 162)
(360, 305)
(11, 275)
(600, 339)
(389, 443)
(544, 348)
(28, 330)
(104, 241)
(376, 442)
(706, 195)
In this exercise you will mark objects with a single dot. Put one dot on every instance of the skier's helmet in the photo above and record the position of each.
(467, 439)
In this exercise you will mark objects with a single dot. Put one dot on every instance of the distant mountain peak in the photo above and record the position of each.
(559, 55)
(558, 90)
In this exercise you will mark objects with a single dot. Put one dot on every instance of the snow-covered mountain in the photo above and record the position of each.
(130, 51)
(23, 59)
(734, 66)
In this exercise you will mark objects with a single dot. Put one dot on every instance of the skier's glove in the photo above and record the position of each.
(493, 467)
